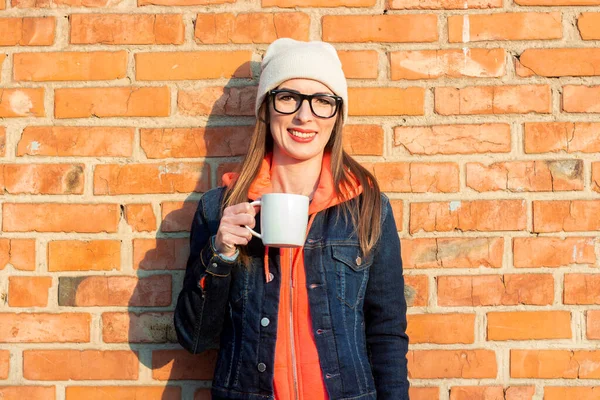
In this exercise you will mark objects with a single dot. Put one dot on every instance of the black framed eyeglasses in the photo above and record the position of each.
(288, 102)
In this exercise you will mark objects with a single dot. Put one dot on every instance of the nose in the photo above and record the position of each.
(304, 113)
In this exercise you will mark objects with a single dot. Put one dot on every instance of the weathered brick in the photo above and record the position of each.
(424, 253)
(566, 215)
(559, 62)
(123, 392)
(495, 290)
(419, 286)
(416, 177)
(592, 324)
(380, 28)
(386, 101)
(581, 99)
(221, 141)
(526, 176)
(28, 291)
(23, 392)
(42, 178)
(22, 102)
(479, 215)
(423, 393)
(45, 328)
(458, 328)
(28, 31)
(4, 364)
(140, 217)
(467, 364)
(251, 27)
(557, 2)
(588, 25)
(443, 4)
(225, 168)
(533, 252)
(2, 136)
(20, 253)
(363, 140)
(181, 365)
(66, 141)
(115, 179)
(159, 254)
(202, 394)
(581, 289)
(64, 3)
(318, 3)
(112, 102)
(217, 101)
(75, 255)
(596, 176)
(453, 139)
(177, 216)
(553, 364)
(492, 393)
(182, 2)
(64, 365)
(520, 99)
(504, 26)
(528, 325)
(151, 327)
(572, 392)
(454, 63)
(362, 64)
(570, 137)
(70, 66)
(105, 291)
(192, 65)
(126, 29)
(84, 218)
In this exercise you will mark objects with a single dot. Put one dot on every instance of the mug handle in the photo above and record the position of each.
(258, 235)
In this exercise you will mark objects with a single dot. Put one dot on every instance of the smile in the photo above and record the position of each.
(304, 135)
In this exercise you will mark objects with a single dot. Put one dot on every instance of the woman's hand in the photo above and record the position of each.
(232, 231)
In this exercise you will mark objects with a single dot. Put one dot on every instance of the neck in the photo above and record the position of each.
(297, 177)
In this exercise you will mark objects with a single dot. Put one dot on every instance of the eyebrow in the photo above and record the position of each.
(295, 91)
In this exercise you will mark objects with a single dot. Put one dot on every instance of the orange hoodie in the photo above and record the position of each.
(298, 373)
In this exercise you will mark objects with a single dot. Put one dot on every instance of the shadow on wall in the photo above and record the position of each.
(160, 263)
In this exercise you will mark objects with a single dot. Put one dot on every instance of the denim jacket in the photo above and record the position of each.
(357, 308)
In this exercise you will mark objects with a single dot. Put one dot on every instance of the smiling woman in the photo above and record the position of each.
(326, 320)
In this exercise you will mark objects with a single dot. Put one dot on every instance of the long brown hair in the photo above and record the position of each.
(365, 212)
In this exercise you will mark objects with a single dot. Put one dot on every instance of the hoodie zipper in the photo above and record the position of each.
(293, 343)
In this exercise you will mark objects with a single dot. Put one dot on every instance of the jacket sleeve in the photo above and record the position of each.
(201, 305)
(385, 314)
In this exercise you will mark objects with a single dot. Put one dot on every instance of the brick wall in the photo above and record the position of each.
(479, 118)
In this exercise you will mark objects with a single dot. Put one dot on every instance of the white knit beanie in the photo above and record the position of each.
(289, 59)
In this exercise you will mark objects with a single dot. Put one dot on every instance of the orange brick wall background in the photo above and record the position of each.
(478, 117)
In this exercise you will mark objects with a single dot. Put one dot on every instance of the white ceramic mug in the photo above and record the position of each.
(283, 219)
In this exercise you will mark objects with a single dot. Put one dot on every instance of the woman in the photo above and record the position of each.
(325, 321)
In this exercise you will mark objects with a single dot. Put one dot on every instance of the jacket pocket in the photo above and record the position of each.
(352, 272)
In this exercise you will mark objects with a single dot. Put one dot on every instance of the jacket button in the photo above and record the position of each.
(358, 260)
(261, 367)
(271, 276)
(265, 322)
(214, 265)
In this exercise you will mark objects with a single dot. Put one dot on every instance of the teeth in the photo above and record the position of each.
(302, 134)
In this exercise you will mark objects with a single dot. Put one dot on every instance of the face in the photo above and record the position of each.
(301, 136)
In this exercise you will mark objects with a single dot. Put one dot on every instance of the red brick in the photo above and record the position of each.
(558, 62)
(27, 392)
(202, 394)
(453, 139)
(20, 253)
(479, 215)
(106, 291)
(225, 168)
(520, 99)
(127, 29)
(151, 327)
(398, 211)
(581, 289)
(160, 254)
(495, 290)
(192, 65)
(566, 215)
(83, 218)
(182, 2)
(416, 177)
(222, 141)
(4, 364)
(44, 328)
(177, 216)
(363, 140)
(181, 365)
(64, 365)
(380, 28)
(573, 392)
(140, 217)
(2, 136)
(596, 176)
(115, 179)
(65, 141)
(443, 4)
(43, 178)
(592, 324)
(64, 3)
(588, 26)
(217, 100)
(534, 252)
(386, 101)
(123, 392)
(553, 364)
(419, 285)
(458, 328)
(75, 255)
(529, 325)
(70, 66)
(28, 291)
(454, 63)
(424, 253)
(22, 102)
(467, 364)
(318, 3)
(28, 31)
(504, 26)
(250, 28)
(581, 99)
(423, 393)
(362, 64)
(112, 102)
(492, 393)
(570, 137)
(526, 176)
(557, 2)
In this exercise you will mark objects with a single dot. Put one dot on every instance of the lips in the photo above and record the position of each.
(301, 133)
